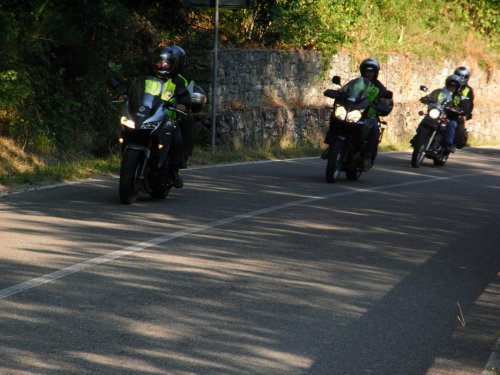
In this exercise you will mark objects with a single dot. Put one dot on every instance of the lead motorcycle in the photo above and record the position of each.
(428, 141)
(147, 146)
(349, 128)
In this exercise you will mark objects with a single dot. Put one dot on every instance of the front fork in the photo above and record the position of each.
(147, 155)
(431, 139)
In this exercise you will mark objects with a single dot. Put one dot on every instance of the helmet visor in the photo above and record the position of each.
(164, 66)
(453, 86)
(165, 63)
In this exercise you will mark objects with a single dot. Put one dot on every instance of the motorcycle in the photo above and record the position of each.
(349, 128)
(148, 145)
(428, 141)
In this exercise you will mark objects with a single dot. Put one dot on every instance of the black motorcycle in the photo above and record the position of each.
(147, 145)
(349, 129)
(429, 139)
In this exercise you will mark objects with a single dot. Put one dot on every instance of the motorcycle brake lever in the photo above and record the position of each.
(177, 110)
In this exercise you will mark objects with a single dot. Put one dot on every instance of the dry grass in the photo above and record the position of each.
(475, 51)
(14, 160)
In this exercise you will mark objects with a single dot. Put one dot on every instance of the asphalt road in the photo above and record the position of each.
(259, 268)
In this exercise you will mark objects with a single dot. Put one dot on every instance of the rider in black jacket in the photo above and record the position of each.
(167, 65)
(467, 94)
(381, 105)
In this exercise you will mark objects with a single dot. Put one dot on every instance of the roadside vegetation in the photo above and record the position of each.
(57, 119)
(82, 168)
(40, 173)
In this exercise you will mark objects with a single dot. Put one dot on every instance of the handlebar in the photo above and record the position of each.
(425, 100)
(456, 111)
(331, 93)
(445, 106)
(172, 108)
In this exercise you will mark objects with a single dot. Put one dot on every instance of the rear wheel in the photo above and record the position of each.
(129, 176)
(440, 162)
(160, 193)
(159, 186)
(418, 154)
(353, 174)
(334, 165)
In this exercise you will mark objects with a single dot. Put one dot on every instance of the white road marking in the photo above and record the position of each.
(19, 288)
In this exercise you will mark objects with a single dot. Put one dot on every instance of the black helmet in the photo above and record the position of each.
(369, 63)
(179, 51)
(463, 73)
(453, 80)
(167, 62)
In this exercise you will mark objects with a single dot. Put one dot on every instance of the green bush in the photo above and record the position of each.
(59, 56)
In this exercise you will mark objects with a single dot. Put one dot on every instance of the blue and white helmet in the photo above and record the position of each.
(463, 73)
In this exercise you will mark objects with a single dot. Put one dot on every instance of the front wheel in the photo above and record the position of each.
(418, 154)
(129, 176)
(334, 165)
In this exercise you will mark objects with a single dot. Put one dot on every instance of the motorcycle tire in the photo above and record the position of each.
(353, 174)
(334, 164)
(129, 172)
(418, 155)
(440, 162)
(160, 192)
(158, 186)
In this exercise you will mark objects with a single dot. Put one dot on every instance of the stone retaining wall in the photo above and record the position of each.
(276, 97)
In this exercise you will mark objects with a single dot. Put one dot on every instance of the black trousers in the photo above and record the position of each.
(186, 124)
(460, 134)
(373, 138)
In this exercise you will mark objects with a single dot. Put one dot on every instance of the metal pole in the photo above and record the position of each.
(215, 68)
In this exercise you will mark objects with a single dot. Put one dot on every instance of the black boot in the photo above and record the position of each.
(184, 163)
(366, 164)
(176, 178)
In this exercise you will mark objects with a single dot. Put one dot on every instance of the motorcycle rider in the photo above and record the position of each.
(448, 93)
(381, 104)
(169, 86)
(187, 121)
(467, 94)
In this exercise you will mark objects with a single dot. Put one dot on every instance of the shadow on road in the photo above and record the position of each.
(369, 283)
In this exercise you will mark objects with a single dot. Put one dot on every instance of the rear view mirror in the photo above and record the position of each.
(423, 88)
(336, 80)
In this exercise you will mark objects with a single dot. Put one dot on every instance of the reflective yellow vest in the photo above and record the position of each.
(165, 89)
(372, 93)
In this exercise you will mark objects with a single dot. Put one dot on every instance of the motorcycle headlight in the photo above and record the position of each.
(127, 122)
(340, 112)
(434, 113)
(354, 116)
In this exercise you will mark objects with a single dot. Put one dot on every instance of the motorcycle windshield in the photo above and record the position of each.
(442, 96)
(356, 91)
(145, 93)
